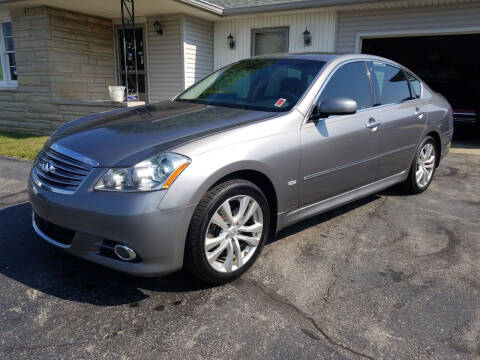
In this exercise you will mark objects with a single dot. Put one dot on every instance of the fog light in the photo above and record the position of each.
(124, 253)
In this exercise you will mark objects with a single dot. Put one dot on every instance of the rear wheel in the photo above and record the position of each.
(227, 231)
(423, 167)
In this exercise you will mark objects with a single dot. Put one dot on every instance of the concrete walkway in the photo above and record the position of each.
(13, 181)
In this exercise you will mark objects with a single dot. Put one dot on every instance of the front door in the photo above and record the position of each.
(340, 153)
(141, 62)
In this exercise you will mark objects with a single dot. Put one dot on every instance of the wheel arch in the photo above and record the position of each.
(264, 183)
(438, 144)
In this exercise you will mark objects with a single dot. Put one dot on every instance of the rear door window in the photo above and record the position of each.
(390, 84)
(350, 81)
(415, 86)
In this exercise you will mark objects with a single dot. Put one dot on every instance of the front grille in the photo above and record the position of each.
(55, 232)
(59, 171)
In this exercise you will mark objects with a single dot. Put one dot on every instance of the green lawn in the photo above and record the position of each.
(24, 146)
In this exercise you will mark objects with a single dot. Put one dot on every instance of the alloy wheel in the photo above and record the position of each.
(233, 233)
(425, 165)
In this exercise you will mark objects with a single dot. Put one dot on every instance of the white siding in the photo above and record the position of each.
(320, 24)
(352, 25)
(198, 49)
(165, 58)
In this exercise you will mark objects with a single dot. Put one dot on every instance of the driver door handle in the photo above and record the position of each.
(419, 113)
(372, 124)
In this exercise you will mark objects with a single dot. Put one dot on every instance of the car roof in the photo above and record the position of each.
(323, 56)
(326, 57)
(329, 57)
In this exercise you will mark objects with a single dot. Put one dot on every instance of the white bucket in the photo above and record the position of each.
(117, 93)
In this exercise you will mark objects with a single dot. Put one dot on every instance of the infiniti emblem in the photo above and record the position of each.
(46, 167)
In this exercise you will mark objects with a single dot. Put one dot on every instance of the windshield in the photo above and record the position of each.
(258, 84)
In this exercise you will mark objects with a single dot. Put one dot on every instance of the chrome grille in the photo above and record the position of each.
(60, 170)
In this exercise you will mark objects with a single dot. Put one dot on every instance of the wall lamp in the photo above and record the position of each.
(307, 37)
(158, 27)
(231, 41)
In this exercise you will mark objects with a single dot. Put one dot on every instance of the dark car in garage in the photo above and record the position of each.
(462, 96)
(449, 64)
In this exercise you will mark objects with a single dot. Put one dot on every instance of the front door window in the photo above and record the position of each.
(351, 81)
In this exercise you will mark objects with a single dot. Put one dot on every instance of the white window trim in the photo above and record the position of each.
(7, 82)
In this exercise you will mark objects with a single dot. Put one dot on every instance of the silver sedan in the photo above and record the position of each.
(201, 181)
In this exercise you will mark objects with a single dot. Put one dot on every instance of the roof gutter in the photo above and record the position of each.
(204, 5)
(11, 1)
(296, 5)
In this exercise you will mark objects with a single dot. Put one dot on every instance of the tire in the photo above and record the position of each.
(215, 238)
(412, 184)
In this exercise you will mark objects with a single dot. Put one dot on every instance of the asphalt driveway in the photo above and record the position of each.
(387, 277)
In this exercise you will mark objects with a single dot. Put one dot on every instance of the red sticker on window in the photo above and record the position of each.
(280, 102)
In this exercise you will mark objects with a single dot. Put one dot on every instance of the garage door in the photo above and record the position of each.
(449, 64)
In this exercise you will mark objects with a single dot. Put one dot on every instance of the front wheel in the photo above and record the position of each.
(227, 232)
(423, 167)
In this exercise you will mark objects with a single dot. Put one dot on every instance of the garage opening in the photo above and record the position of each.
(449, 64)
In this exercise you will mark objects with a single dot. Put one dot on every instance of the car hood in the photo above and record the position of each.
(125, 137)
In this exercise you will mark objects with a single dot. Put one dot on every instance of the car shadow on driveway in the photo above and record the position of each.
(28, 259)
(318, 219)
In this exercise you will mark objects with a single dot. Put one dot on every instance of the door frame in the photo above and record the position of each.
(412, 32)
(141, 24)
(308, 124)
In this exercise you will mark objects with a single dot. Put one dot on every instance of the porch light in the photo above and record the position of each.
(231, 41)
(307, 37)
(158, 27)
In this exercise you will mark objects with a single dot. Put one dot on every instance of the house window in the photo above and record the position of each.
(8, 67)
(269, 41)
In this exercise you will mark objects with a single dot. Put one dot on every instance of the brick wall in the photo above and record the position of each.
(60, 56)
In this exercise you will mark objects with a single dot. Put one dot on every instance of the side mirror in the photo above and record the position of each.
(334, 106)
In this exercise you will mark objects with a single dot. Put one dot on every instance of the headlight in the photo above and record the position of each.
(158, 172)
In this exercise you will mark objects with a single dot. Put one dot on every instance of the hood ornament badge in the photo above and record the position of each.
(46, 167)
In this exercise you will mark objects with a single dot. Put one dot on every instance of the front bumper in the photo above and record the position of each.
(136, 220)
